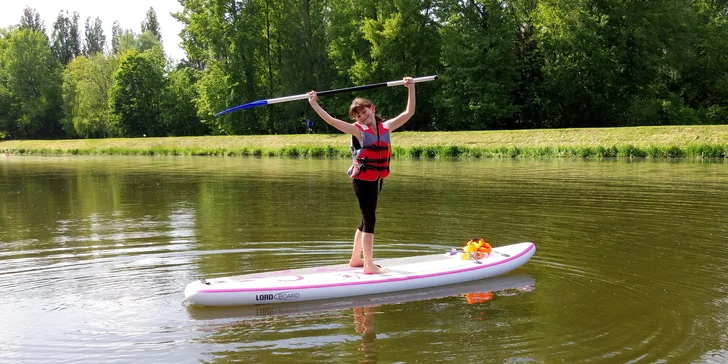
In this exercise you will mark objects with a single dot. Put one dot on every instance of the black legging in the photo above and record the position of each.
(366, 192)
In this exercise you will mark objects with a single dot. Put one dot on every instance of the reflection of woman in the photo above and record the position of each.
(364, 324)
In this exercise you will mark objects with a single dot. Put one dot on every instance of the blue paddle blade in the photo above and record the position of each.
(244, 106)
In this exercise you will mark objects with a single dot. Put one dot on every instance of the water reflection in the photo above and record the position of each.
(364, 325)
(514, 282)
(331, 323)
(95, 253)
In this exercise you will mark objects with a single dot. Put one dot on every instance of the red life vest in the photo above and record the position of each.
(371, 158)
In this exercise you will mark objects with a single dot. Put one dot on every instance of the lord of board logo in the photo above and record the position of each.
(281, 296)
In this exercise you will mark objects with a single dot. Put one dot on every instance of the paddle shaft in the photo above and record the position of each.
(352, 89)
(324, 93)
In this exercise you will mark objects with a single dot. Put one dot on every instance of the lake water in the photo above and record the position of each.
(95, 252)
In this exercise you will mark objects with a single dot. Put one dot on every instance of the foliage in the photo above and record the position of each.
(480, 65)
(211, 97)
(31, 20)
(86, 86)
(151, 24)
(66, 40)
(137, 95)
(31, 86)
(94, 40)
(604, 59)
(179, 112)
(512, 64)
(116, 33)
(374, 41)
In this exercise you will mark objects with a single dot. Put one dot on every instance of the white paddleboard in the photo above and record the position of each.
(335, 281)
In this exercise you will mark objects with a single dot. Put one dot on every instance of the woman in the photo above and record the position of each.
(371, 151)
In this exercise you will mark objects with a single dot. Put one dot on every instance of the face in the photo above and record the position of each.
(365, 115)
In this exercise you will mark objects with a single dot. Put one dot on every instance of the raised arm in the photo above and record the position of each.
(336, 123)
(402, 118)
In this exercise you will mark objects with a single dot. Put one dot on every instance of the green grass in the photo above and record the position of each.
(708, 141)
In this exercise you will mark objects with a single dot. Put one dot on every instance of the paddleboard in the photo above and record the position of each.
(336, 281)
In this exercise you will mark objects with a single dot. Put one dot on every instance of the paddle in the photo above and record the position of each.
(324, 93)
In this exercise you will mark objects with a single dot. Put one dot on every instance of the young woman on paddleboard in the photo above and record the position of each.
(371, 150)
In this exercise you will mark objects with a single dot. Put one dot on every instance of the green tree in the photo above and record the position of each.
(609, 62)
(150, 24)
(8, 111)
(137, 95)
(138, 42)
(147, 40)
(116, 33)
(179, 112)
(31, 20)
(86, 86)
(7, 117)
(32, 85)
(228, 35)
(65, 38)
(481, 68)
(95, 40)
(706, 88)
(375, 41)
(213, 94)
(530, 61)
(297, 60)
(128, 40)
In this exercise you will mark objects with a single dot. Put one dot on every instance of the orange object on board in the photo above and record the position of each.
(478, 246)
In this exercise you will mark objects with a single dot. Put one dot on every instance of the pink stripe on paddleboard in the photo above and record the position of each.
(389, 280)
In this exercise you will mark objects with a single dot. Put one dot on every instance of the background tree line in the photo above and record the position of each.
(502, 65)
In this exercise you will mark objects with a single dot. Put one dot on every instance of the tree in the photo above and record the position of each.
(7, 113)
(481, 68)
(86, 86)
(213, 88)
(65, 38)
(228, 35)
(706, 86)
(8, 102)
(530, 61)
(138, 42)
(32, 85)
(179, 112)
(150, 24)
(31, 20)
(128, 40)
(95, 40)
(136, 98)
(296, 34)
(116, 33)
(611, 63)
(373, 41)
(147, 40)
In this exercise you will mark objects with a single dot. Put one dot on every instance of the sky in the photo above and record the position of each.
(129, 14)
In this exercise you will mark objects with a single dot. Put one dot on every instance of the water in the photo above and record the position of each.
(95, 253)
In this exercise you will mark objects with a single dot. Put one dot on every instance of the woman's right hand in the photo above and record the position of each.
(312, 97)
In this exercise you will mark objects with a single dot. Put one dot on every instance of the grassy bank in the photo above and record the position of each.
(709, 141)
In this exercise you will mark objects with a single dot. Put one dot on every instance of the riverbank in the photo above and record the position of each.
(704, 141)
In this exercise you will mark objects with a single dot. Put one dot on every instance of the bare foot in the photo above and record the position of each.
(356, 263)
(377, 270)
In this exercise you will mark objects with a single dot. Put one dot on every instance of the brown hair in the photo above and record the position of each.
(357, 105)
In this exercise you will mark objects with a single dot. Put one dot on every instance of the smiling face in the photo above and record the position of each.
(364, 115)
(362, 111)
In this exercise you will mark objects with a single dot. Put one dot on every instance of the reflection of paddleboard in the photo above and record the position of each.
(337, 281)
(501, 284)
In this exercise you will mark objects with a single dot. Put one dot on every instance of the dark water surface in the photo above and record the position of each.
(95, 252)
